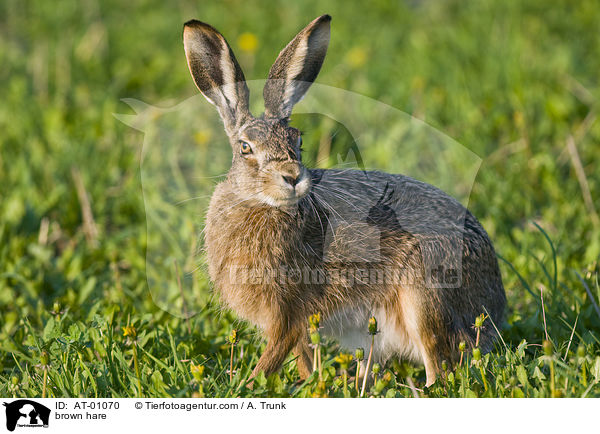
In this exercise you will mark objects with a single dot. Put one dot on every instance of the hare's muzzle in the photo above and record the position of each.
(291, 182)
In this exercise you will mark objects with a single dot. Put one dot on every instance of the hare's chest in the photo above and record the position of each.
(246, 248)
(236, 266)
(247, 237)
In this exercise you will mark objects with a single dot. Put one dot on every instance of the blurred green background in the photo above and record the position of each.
(515, 82)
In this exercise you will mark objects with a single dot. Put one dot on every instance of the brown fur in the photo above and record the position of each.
(274, 215)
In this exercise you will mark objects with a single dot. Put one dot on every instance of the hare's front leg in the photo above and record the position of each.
(303, 356)
(279, 344)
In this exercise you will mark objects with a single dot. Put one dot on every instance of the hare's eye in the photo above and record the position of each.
(300, 142)
(245, 148)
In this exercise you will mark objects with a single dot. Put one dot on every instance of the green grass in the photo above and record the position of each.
(511, 81)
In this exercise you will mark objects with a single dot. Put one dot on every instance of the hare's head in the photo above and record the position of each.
(267, 165)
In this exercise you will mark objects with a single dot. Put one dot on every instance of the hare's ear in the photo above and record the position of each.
(216, 72)
(296, 68)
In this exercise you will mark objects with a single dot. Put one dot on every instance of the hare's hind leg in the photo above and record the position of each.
(429, 356)
(430, 369)
(421, 332)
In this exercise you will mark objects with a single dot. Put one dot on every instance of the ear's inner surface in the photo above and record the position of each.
(216, 72)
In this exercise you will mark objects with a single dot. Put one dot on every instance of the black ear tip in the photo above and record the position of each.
(323, 19)
(196, 24)
(193, 23)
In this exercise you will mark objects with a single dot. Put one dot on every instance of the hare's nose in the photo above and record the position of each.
(290, 179)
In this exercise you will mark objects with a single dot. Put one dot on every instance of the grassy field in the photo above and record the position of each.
(514, 82)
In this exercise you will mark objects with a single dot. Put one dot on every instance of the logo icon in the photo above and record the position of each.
(26, 413)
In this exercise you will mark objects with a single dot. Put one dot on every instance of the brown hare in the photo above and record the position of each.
(284, 241)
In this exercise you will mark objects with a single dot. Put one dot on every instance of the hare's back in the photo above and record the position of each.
(382, 198)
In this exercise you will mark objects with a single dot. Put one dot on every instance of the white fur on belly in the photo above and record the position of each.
(350, 328)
